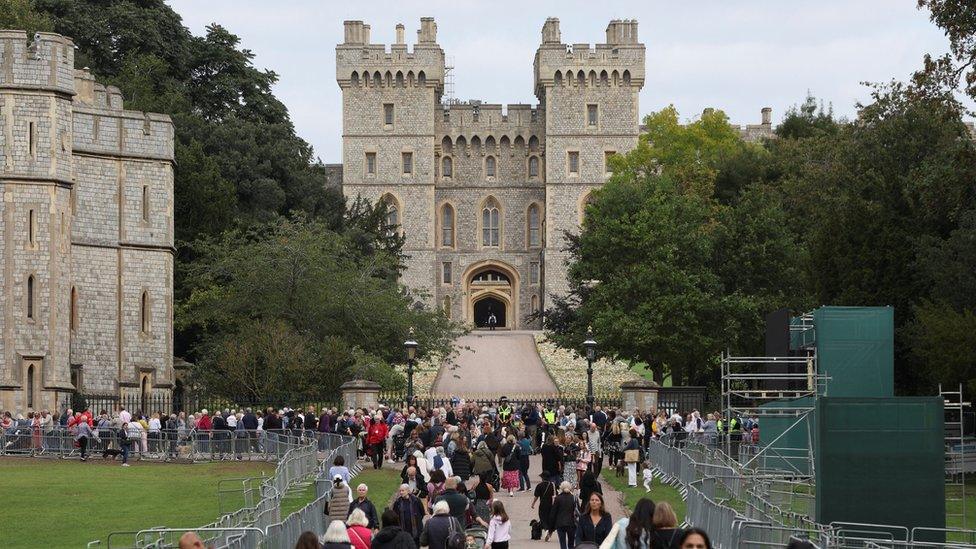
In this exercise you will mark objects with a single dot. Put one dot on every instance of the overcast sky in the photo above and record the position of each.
(738, 56)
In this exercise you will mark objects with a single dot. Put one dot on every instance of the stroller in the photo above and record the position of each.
(475, 537)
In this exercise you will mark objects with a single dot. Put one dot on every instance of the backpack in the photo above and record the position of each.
(438, 461)
(455, 535)
(512, 455)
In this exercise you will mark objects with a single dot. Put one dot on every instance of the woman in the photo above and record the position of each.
(411, 462)
(562, 517)
(376, 440)
(588, 486)
(583, 460)
(667, 535)
(461, 459)
(82, 433)
(500, 528)
(336, 536)
(570, 454)
(308, 540)
(357, 527)
(636, 532)
(339, 502)
(695, 538)
(545, 493)
(633, 445)
(525, 445)
(436, 485)
(612, 444)
(510, 466)
(595, 525)
(483, 464)
(481, 494)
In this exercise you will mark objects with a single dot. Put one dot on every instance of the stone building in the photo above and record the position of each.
(86, 232)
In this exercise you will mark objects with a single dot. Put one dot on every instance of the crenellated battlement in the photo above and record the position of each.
(42, 62)
(618, 62)
(357, 56)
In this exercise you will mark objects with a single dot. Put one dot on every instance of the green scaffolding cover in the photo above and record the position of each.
(855, 349)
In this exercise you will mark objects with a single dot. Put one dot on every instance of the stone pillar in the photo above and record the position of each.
(360, 393)
(639, 394)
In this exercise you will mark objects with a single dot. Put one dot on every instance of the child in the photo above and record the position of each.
(500, 528)
(648, 476)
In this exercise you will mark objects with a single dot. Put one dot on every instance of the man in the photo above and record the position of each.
(531, 419)
(392, 536)
(416, 483)
(549, 417)
(457, 501)
(191, 540)
(505, 413)
(362, 502)
(492, 321)
(595, 446)
(409, 511)
(552, 459)
(439, 527)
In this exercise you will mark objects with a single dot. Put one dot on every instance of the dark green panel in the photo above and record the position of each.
(880, 461)
(855, 348)
(788, 447)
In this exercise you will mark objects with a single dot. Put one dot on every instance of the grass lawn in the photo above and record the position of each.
(659, 492)
(383, 484)
(53, 503)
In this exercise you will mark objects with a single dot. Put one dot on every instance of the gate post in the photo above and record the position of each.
(639, 394)
(360, 393)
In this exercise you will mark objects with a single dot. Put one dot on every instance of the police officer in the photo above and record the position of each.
(549, 415)
(505, 414)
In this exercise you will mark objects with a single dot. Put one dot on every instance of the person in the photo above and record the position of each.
(190, 540)
(505, 412)
(82, 433)
(481, 494)
(632, 445)
(612, 443)
(583, 459)
(363, 504)
(510, 465)
(570, 454)
(461, 459)
(595, 524)
(339, 502)
(336, 536)
(667, 535)
(359, 530)
(694, 538)
(551, 459)
(339, 469)
(562, 516)
(392, 536)
(439, 527)
(545, 493)
(587, 486)
(595, 445)
(410, 513)
(492, 321)
(499, 528)
(457, 502)
(308, 540)
(483, 464)
(525, 451)
(648, 476)
(637, 531)
(437, 484)
(417, 485)
(376, 440)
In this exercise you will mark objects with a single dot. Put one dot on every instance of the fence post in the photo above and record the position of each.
(360, 393)
(639, 394)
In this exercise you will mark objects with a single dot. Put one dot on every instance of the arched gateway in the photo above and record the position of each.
(491, 288)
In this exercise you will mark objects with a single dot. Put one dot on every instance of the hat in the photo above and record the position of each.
(337, 477)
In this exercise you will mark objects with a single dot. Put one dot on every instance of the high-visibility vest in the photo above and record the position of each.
(734, 423)
(550, 416)
(504, 412)
(719, 425)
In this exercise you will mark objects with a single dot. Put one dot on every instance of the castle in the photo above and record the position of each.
(86, 289)
(484, 193)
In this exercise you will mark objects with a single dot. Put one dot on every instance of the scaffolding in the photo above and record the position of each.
(448, 97)
(955, 447)
(752, 388)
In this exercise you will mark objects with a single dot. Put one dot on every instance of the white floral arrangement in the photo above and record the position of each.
(568, 369)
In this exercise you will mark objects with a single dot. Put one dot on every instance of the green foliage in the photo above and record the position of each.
(807, 120)
(19, 14)
(957, 18)
(942, 342)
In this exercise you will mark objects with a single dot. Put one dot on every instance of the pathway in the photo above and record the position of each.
(497, 363)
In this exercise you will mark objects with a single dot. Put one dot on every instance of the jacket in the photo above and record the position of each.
(411, 514)
(587, 531)
(339, 503)
(360, 536)
(457, 501)
(483, 462)
(392, 537)
(377, 433)
(563, 513)
(436, 531)
(368, 509)
(461, 464)
(513, 463)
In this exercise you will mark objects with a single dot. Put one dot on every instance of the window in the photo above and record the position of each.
(73, 313)
(534, 272)
(32, 139)
(30, 296)
(370, 163)
(447, 166)
(535, 304)
(490, 230)
(31, 229)
(144, 312)
(407, 163)
(30, 386)
(606, 160)
(490, 166)
(447, 306)
(533, 166)
(573, 157)
(447, 226)
(392, 215)
(145, 202)
(534, 232)
(591, 115)
(446, 274)
(388, 114)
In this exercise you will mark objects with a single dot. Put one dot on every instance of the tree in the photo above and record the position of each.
(958, 19)
(19, 14)
(807, 120)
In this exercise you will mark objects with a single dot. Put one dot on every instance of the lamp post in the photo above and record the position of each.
(590, 346)
(411, 346)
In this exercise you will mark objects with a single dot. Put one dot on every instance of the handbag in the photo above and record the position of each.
(631, 456)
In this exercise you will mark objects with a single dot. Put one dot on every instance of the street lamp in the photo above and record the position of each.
(590, 346)
(411, 346)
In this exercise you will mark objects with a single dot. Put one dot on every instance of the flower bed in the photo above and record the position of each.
(568, 369)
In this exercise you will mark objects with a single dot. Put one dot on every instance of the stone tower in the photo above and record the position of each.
(86, 233)
(483, 191)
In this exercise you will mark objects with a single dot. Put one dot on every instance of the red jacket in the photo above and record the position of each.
(377, 433)
(204, 423)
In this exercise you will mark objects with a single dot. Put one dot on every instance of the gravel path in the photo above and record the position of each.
(495, 363)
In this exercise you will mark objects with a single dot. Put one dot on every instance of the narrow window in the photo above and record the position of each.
(490, 230)
(447, 306)
(32, 139)
(392, 215)
(30, 227)
(447, 226)
(144, 312)
(591, 115)
(606, 160)
(30, 296)
(388, 114)
(371, 163)
(407, 163)
(30, 386)
(447, 166)
(533, 166)
(535, 304)
(446, 275)
(574, 162)
(73, 313)
(145, 202)
(490, 166)
(534, 232)
(534, 272)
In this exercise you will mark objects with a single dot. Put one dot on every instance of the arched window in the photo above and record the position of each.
(73, 315)
(377, 79)
(399, 79)
(30, 296)
(580, 79)
(533, 166)
(421, 79)
(584, 204)
(144, 312)
(626, 78)
(447, 166)
(392, 214)
(354, 79)
(30, 386)
(558, 79)
(604, 79)
(490, 223)
(535, 304)
(447, 226)
(447, 306)
(534, 224)
(490, 166)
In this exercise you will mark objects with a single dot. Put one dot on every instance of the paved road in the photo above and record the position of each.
(496, 363)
